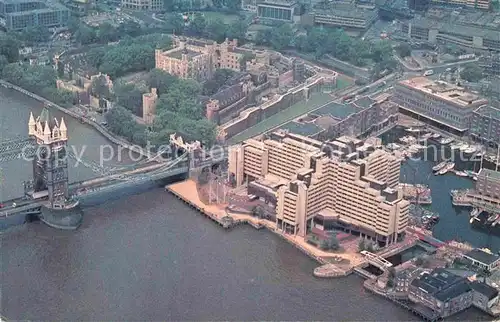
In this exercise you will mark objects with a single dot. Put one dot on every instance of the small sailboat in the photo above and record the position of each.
(475, 212)
(448, 167)
(439, 166)
(470, 150)
(445, 141)
(461, 173)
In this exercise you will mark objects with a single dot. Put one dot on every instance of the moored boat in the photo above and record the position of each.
(439, 166)
(448, 167)
(461, 173)
(446, 140)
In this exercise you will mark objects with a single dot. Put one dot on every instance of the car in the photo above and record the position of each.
(448, 70)
(429, 72)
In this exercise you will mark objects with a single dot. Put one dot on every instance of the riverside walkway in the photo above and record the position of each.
(116, 140)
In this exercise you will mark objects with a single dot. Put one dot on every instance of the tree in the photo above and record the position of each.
(281, 36)
(472, 73)
(403, 50)
(216, 29)
(198, 24)
(238, 30)
(333, 242)
(258, 211)
(9, 47)
(361, 245)
(129, 96)
(160, 80)
(100, 87)
(369, 247)
(3, 63)
(324, 245)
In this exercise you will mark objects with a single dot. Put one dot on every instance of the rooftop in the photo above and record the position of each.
(336, 110)
(483, 288)
(490, 111)
(305, 129)
(364, 102)
(343, 10)
(282, 3)
(178, 52)
(442, 284)
(450, 23)
(445, 91)
(480, 255)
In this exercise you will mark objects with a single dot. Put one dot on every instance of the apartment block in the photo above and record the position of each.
(21, 14)
(485, 124)
(346, 181)
(198, 59)
(439, 103)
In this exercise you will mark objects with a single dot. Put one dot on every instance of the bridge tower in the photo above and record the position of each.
(50, 166)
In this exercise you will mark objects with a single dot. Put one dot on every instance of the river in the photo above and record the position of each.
(150, 257)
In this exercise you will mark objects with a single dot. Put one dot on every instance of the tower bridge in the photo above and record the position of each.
(50, 195)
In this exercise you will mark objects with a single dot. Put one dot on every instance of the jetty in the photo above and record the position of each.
(416, 193)
(228, 217)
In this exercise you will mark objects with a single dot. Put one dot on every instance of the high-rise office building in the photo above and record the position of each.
(348, 182)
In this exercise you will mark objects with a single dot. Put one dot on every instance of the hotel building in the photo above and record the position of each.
(438, 103)
(349, 183)
(199, 60)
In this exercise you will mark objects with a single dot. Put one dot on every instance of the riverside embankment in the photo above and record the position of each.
(116, 140)
(334, 265)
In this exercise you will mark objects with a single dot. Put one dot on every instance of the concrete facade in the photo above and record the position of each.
(443, 103)
(277, 10)
(344, 15)
(143, 5)
(344, 179)
(21, 14)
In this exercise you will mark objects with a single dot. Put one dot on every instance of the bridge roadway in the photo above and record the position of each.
(157, 171)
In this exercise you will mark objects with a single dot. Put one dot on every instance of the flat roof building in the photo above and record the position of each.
(144, 5)
(442, 291)
(441, 103)
(344, 179)
(344, 15)
(476, 4)
(21, 14)
(482, 259)
(476, 30)
(277, 10)
(485, 124)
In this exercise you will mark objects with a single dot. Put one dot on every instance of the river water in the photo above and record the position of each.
(150, 257)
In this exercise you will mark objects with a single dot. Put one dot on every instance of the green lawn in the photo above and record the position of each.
(226, 18)
(284, 116)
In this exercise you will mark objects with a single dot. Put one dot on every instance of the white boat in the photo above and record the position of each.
(439, 166)
(412, 130)
(446, 140)
(470, 150)
(461, 173)
(475, 212)
(425, 137)
(472, 219)
(393, 146)
(436, 136)
(464, 147)
(447, 168)
(455, 146)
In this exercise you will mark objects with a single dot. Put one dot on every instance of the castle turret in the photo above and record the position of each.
(31, 125)
(47, 132)
(63, 130)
